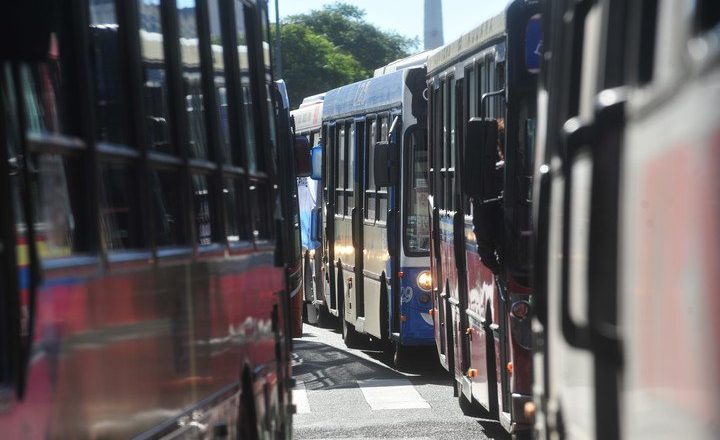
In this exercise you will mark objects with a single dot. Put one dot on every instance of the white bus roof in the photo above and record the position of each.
(467, 43)
(419, 59)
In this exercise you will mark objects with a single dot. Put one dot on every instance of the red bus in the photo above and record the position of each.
(144, 290)
(628, 221)
(481, 116)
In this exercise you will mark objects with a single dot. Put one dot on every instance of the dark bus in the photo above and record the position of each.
(627, 221)
(482, 92)
(144, 290)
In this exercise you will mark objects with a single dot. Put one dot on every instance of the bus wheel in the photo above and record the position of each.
(350, 335)
(247, 422)
(400, 356)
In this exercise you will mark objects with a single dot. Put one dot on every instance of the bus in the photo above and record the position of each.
(308, 123)
(144, 288)
(481, 129)
(627, 313)
(374, 229)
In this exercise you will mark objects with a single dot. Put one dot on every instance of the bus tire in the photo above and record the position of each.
(350, 335)
(400, 356)
(247, 421)
(525, 434)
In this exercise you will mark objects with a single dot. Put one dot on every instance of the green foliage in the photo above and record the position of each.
(334, 46)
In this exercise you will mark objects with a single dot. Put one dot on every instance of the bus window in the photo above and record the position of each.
(246, 88)
(118, 225)
(168, 220)
(236, 229)
(352, 165)
(192, 84)
(341, 172)
(417, 226)
(219, 79)
(437, 146)
(201, 204)
(450, 176)
(382, 194)
(52, 176)
(261, 215)
(110, 94)
(154, 79)
(472, 92)
(370, 190)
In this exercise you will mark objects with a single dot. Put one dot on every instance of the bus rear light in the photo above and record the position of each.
(403, 318)
(472, 373)
(520, 309)
(401, 274)
(431, 311)
(509, 368)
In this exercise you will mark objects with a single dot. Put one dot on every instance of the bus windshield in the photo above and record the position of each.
(417, 227)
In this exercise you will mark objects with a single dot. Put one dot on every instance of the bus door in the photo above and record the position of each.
(393, 226)
(357, 216)
(373, 219)
(436, 156)
(329, 233)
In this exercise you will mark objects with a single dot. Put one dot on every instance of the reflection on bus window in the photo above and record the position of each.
(120, 228)
(192, 84)
(247, 95)
(201, 203)
(54, 219)
(168, 224)
(234, 212)
(219, 79)
(110, 96)
(417, 226)
(154, 79)
(371, 197)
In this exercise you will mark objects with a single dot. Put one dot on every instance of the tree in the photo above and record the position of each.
(334, 46)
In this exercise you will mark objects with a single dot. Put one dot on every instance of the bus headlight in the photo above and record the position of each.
(424, 280)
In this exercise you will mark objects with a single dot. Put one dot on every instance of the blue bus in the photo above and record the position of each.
(374, 225)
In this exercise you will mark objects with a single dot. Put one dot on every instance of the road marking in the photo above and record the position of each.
(300, 398)
(391, 394)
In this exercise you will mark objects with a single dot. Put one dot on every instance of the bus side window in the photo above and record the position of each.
(352, 166)
(247, 112)
(370, 190)
(438, 146)
(382, 193)
(341, 168)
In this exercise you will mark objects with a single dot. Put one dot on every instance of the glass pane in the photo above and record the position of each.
(154, 79)
(219, 78)
(472, 93)
(417, 226)
(382, 207)
(55, 229)
(192, 79)
(247, 96)
(110, 95)
(201, 203)
(119, 222)
(261, 218)
(352, 160)
(384, 129)
(165, 198)
(370, 207)
(371, 156)
(235, 223)
(342, 166)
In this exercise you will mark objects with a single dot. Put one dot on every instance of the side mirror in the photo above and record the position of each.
(302, 156)
(479, 155)
(316, 162)
(315, 226)
(385, 166)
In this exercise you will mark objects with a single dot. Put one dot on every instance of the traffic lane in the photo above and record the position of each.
(349, 393)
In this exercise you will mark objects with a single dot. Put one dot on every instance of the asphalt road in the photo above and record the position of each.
(344, 393)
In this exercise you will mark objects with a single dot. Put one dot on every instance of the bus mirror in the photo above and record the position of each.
(316, 162)
(385, 166)
(480, 154)
(302, 156)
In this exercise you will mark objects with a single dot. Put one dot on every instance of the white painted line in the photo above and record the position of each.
(300, 399)
(391, 394)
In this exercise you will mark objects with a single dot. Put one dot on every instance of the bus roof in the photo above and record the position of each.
(419, 59)
(309, 116)
(467, 43)
(314, 99)
(366, 96)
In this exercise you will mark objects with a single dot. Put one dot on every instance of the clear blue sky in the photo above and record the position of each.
(406, 16)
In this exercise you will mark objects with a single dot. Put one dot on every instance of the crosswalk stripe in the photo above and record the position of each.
(391, 394)
(300, 398)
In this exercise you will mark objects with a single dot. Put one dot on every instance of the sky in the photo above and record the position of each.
(406, 16)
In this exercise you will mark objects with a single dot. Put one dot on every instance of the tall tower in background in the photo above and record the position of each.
(433, 24)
